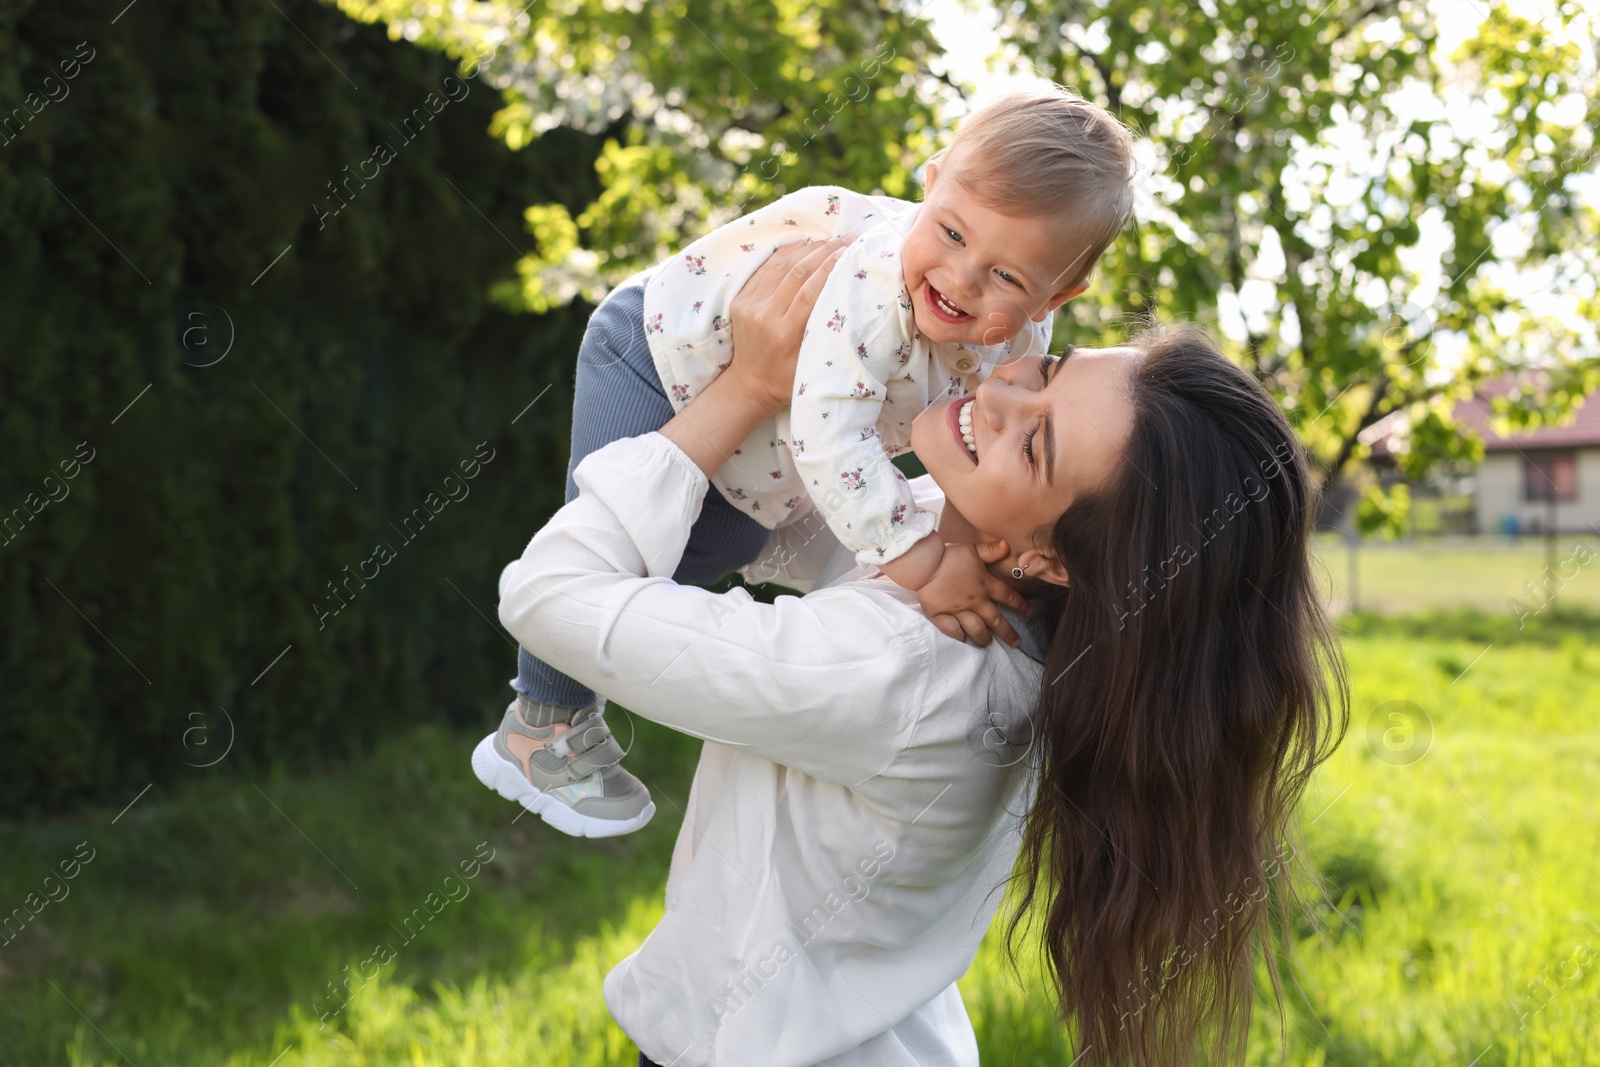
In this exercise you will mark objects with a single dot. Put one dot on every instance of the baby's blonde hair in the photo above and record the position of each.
(1048, 152)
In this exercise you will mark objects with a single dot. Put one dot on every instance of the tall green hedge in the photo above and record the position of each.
(170, 197)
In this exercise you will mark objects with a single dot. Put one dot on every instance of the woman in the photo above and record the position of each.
(869, 784)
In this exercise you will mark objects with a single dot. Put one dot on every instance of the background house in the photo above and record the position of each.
(1529, 482)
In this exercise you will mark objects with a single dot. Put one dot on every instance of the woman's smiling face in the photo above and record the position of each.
(1045, 430)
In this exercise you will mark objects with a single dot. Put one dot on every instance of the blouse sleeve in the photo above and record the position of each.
(856, 342)
(827, 684)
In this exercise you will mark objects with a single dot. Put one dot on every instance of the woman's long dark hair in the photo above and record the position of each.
(1192, 685)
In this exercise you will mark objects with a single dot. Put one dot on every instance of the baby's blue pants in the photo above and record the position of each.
(619, 395)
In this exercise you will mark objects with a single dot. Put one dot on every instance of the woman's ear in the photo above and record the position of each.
(1044, 567)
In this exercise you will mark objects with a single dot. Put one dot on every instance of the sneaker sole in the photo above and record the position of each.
(506, 778)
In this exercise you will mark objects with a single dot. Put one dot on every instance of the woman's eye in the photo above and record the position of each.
(1044, 369)
(1027, 446)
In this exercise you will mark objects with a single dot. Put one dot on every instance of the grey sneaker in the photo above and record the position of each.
(568, 774)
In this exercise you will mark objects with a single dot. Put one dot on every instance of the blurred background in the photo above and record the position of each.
(292, 292)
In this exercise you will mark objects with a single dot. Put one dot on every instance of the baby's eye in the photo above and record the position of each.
(1005, 276)
(953, 235)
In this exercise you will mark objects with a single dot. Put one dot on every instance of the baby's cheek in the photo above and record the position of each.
(1001, 321)
(910, 266)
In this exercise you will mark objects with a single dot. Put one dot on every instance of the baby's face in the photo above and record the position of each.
(976, 276)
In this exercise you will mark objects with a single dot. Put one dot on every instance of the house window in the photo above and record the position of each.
(1550, 477)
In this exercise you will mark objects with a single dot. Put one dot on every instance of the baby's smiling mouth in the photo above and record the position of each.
(942, 306)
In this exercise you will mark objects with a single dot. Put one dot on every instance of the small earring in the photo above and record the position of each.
(1018, 572)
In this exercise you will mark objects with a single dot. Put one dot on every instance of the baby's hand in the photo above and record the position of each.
(963, 599)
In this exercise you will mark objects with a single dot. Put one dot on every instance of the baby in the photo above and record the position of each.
(919, 308)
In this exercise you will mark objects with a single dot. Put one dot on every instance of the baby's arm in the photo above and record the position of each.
(956, 590)
(919, 566)
(855, 344)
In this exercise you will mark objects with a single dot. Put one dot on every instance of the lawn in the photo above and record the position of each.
(1486, 573)
(209, 925)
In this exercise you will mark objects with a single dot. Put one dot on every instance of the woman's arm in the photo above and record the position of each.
(829, 684)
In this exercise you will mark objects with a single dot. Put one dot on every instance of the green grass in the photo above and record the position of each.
(207, 926)
(1485, 573)
(212, 918)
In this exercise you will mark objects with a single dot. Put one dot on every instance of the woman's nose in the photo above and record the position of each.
(994, 401)
(1005, 394)
(1012, 372)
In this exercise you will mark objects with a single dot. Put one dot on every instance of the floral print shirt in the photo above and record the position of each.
(865, 372)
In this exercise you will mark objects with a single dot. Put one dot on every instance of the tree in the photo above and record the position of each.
(709, 107)
(232, 367)
(1358, 209)
(1352, 201)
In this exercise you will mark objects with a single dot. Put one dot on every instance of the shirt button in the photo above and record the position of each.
(966, 364)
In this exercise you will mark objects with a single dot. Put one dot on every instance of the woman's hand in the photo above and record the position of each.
(769, 318)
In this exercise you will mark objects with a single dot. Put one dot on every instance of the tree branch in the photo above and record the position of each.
(1113, 94)
(1348, 447)
(1145, 288)
(1384, 7)
(1295, 254)
(1254, 342)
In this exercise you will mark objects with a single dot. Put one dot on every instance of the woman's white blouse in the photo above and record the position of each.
(858, 801)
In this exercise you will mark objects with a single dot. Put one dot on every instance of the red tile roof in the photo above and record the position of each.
(1584, 431)
(1581, 432)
